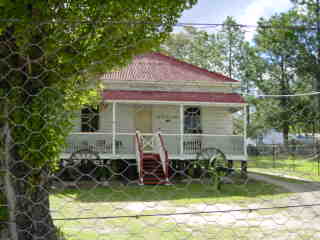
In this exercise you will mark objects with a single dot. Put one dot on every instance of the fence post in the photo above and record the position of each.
(274, 155)
(318, 158)
(114, 128)
(318, 166)
(245, 132)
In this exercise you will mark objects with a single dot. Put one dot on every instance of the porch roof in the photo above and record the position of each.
(207, 97)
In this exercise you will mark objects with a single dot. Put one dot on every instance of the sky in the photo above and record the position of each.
(245, 12)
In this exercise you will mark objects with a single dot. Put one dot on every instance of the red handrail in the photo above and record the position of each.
(141, 157)
(166, 155)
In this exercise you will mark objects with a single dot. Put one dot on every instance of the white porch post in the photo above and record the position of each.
(245, 132)
(181, 128)
(114, 106)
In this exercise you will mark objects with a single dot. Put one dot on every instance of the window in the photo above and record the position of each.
(192, 120)
(89, 119)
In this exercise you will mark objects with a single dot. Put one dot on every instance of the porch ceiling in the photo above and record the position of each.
(163, 96)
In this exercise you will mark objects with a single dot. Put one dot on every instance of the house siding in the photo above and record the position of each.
(105, 118)
(166, 119)
(125, 118)
(182, 86)
(76, 122)
(216, 120)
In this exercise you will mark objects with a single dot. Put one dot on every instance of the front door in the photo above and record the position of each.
(143, 120)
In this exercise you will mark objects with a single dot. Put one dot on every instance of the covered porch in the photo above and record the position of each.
(186, 128)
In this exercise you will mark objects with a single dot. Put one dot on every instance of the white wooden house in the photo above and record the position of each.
(176, 107)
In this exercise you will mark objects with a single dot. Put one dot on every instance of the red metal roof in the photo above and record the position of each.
(173, 96)
(156, 67)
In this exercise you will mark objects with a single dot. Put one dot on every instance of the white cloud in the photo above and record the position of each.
(262, 8)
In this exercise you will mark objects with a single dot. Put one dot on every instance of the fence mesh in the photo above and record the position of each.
(74, 166)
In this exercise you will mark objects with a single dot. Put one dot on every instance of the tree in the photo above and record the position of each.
(279, 46)
(219, 51)
(309, 35)
(50, 52)
(225, 51)
(194, 46)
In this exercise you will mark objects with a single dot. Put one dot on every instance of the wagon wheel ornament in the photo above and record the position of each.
(82, 162)
(215, 162)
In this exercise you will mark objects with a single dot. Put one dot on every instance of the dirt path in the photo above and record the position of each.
(292, 187)
(304, 193)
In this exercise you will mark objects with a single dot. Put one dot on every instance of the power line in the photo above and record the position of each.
(286, 95)
(189, 213)
(179, 24)
(183, 213)
(301, 27)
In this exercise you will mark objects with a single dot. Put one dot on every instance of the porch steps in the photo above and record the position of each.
(152, 171)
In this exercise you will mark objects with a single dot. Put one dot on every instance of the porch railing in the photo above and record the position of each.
(96, 141)
(102, 142)
(229, 144)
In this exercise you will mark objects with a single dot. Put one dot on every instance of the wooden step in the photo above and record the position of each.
(155, 183)
(152, 170)
(151, 163)
(152, 174)
(152, 166)
(149, 156)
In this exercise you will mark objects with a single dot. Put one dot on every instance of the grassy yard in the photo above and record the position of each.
(120, 200)
(294, 166)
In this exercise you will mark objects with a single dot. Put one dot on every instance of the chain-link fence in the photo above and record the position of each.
(101, 139)
(297, 160)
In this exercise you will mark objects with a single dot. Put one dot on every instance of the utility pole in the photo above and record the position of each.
(230, 51)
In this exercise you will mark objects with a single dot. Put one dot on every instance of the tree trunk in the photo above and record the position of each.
(33, 218)
(285, 132)
(7, 178)
(27, 194)
(284, 104)
(26, 188)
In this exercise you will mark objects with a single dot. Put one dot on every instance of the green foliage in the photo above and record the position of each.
(220, 52)
(53, 53)
(283, 68)
(3, 209)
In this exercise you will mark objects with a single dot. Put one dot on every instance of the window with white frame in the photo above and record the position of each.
(192, 120)
(89, 119)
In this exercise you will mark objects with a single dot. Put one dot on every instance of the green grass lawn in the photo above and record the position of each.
(294, 166)
(179, 193)
(124, 201)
